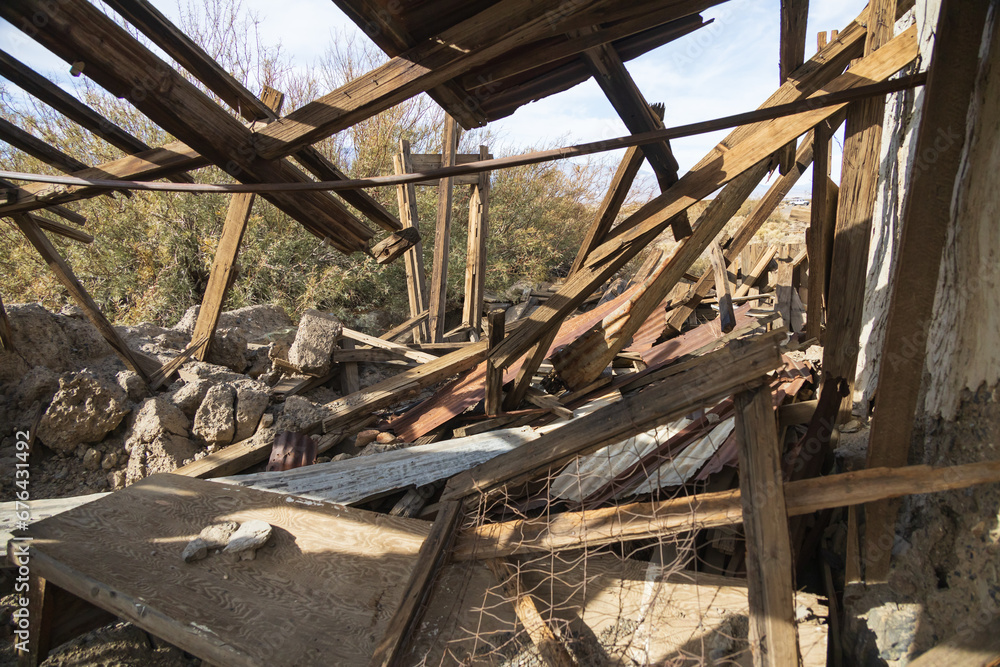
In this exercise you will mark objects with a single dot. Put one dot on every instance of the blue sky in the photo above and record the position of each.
(728, 67)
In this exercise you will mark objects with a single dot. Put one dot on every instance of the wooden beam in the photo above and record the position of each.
(858, 188)
(475, 259)
(402, 350)
(61, 229)
(792, 53)
(755, 273)
(582, 361)
(822, 218)
(349, 381)
(442, 234)
(134, 361)
(37, 148)
(76, 30)
(719, 166)
(552, 650)
(403, 386)
(522, 381)
(641, 521)
(727, 318)
(432, 556)
(773, 637)
(494, 375)
(38, 86)
(714, 375)
(405, 327)
(951, 85)
(393, 246)
(416, 278)
(223, 269)
(619, 87)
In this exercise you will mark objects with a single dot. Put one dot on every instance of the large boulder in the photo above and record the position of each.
(85, 409)
(158, 415)
(166, 452)
(315, 340)
(229, 349)
(189, 395)
(251, 401)
(259, 324)
(215, 421)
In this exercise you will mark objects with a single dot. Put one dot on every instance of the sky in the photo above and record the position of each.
(728, 67)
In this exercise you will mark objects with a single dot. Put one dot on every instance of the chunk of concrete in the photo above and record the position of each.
(315, 340)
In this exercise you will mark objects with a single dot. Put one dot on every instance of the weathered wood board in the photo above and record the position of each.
(320, 592)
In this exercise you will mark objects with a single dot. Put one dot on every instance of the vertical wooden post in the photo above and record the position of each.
(349, 382)
(416, 279)
(442, 233)
(727, 318)
(950, 88)
(858, 187)
(821, 222)
(773, 635)
(494, 375)
(783, 287)
(475, 261)
(221, 277)
(6, 335)
(792, 53)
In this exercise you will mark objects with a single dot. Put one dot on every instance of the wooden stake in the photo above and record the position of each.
(727, 318)
(475, 260)
(442, 234)
(494, 375)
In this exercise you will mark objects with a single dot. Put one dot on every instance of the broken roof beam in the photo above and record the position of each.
(638, 521)
(718, 167)
(38, 86)
(714, 377)
(500, 28)
(158, 28)
(791, 54)
(38, 149)
(78, 31)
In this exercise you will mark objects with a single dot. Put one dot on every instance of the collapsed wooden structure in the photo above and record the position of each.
(636, 362)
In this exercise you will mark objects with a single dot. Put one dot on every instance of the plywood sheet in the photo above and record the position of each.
(320, 592)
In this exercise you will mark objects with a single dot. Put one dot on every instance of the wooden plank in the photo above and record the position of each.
(855, 207)
(38, 86)
(791, 55)
(402, 350)
(442, 235)
(393, 246)
(751, 225)
(324, 564)
(755, 273)
(494, 375)
(727, 318)
(821, 225)
(62, 230)
(416, 279)
(718, 167)
(951, 85)
(363, 478)
(432, 556)
(349, 381)
(619, 87)
(428, 161)
(405, 385)
(78, 31)
(552, 650)
(783, 287)
(582, 361)
(406, 327)
(611, 205)
(37, 148)
(773, 638)
(475, 260)
(717, 375)
(135, 361)
(638, 521)
(223, 269)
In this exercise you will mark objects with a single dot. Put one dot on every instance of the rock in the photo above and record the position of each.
(188, 320)
(229, 349)
(260, 362)
(110, 460)
(92, 459)
(215, 421)
(251, 401)
(386, 438)
(85, 409)
(261, 323)
(196, 549)
(116, 479)
(38, 384)
(299, 413)
(189, 396)
(158, 415)
(365, 438)
(199, 370)
(132, 385)
(314, 342)
(217, 535)
(165, 453)
(251, 535)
